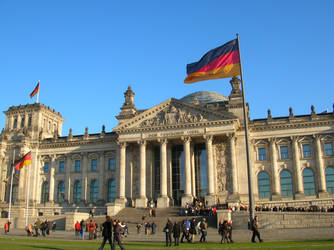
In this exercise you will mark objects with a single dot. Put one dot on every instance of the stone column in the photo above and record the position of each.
(276, 191)
(52, 178)
(122, 166)
(321, 168)
(102, 185)
(84, 170)
(169, 173)
(234, 197)
(141, 202)
(210, 197)
(193, 172)
(299, 194)
(187, 197)
(163, 200)
(68, 168)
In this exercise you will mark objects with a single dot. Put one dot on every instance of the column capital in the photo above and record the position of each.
(272, 140)
(142, 142)
(162, 141)
(208, 137)
(294, 138)
(186, 139)
(121, 143)
(317, 137)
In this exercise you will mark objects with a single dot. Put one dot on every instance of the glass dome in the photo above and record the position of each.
(204, 97)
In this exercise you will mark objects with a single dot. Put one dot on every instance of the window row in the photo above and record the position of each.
(22, 122)
(77, 165)
(77, 187)
(264, 186)
(284, 151)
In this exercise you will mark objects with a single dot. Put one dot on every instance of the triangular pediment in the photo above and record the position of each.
(174, 113)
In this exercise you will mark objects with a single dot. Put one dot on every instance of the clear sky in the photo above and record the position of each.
(86, 53)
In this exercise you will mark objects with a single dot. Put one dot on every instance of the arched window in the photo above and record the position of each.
(61, 192)
(94, 191)
(263, 181)
(286, 183)
(45, 192)
(77, 192)
(330, 180)
(111, 190)
(309, 183)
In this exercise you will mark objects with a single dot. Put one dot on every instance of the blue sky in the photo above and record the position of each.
(86, 53)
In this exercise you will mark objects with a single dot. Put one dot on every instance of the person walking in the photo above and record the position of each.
(7, 227)
(229, 232)
(82, 229)
(118, 235)
(168, 229)
(77, 229)
(185, 232)
(154, 227)
(54, 225)
(107, 233)
(91, 228)
(255, 229)
(176, 233)
(192, 229)
(204, 230)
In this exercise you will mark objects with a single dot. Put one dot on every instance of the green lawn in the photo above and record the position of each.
(28, 243)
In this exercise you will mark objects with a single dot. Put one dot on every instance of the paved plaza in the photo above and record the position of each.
(238, 235)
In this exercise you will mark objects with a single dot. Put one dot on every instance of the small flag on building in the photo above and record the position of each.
(220, 62)
(35, 91)
(24, 161)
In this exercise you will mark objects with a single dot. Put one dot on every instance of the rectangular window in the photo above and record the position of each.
(61, 167)
(94, 165)
(46, 167)
(328, 149)
(111, 164)
(306, 151)
(29, 121)
(77, 166)
(284, 152)
(262, 154)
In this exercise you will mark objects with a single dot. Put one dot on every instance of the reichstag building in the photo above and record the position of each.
(169, 154)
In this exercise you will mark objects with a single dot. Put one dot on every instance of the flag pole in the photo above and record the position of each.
(27, 196)
(11, 187)
(249, 169)
(39, 86)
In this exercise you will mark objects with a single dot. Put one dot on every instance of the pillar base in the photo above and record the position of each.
(210, 200)
(120, 202)
(276, 197)
(141, 202)
(299, 196)
(234, 198)
(163, 202)
(187, 199)
(323, 194)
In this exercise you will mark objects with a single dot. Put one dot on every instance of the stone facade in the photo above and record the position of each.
(170, 153)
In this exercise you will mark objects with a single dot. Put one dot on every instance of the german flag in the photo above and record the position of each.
(24, 161)
(220, 62)
(36, 90)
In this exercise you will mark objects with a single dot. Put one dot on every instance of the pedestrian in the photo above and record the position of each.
(192, 229)
(176, 233)
(204, 230)
(118, 235)
(82, 229)
(29, 230)
(223, 231)
(107, 233)
(229, 232)
(47, 226)
(54, 225)
(138, 228)
(255, 229)
(154, 227)
(77, 228)
(185, 232)
(37, 227)
(7, 227)
(91, 228)
(168, 229)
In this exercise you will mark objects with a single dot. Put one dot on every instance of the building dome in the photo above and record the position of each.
(204, 97)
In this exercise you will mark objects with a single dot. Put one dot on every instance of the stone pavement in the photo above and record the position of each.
(238, 235)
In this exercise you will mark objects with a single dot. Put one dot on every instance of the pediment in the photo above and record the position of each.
(174, 113)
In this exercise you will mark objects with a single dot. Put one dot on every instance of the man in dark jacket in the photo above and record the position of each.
(255, 229)
(192, 229)
(176, 233)
(107, 233)
(168, 229)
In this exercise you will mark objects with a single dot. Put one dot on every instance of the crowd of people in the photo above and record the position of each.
(293, 209)
(40, 228)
